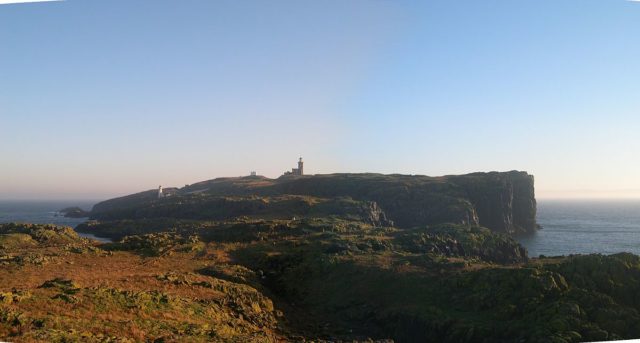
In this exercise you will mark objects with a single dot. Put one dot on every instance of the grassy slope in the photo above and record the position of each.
(328, 278)
(80, 293)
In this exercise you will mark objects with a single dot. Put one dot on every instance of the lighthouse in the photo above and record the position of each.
(297, 171)
(160, 194)
(300, 167)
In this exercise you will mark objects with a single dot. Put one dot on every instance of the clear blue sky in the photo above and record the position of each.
(103, 98)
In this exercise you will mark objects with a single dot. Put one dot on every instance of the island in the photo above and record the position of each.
(339, 257)
(74, 212)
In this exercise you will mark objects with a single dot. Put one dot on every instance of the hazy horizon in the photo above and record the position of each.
(570, 195)
(106, 98)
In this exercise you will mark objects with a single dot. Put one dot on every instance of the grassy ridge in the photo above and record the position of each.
(502, 202)
(313, 278)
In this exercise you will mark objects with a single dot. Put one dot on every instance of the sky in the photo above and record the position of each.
(101, 98)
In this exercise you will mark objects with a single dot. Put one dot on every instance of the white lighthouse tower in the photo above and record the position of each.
(160, 194)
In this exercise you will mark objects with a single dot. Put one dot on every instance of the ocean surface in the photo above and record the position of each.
(585, 227)
(569, 227)
(44, 212)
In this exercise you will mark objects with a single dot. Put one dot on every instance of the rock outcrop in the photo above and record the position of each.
(505, 202)
(74, 212)
(462, 241)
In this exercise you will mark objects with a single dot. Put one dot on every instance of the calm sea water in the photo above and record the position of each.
(584, 227)
(43, 212)
(569, 227)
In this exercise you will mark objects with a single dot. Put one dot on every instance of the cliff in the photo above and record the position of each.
(505, 202)
(313, 258)
(220, 208)
(502, 202)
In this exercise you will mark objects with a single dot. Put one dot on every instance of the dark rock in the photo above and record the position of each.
(74, 212)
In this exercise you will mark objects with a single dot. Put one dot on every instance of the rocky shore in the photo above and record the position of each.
(344, 257)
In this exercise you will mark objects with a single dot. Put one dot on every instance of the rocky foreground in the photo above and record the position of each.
(259, 260)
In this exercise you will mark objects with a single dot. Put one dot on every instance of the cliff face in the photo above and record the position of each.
(524, 203)
(503, 202)
(407, 200)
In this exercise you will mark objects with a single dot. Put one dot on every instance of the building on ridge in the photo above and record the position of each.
(297, 171)
(160, 193)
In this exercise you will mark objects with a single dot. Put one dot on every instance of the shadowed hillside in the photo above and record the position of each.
(503, 202)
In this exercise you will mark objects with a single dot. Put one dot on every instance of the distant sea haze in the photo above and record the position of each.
(569, 226)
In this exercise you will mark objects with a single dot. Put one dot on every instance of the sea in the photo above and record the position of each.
(45, 212)
(585, 227)
(568, 226)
